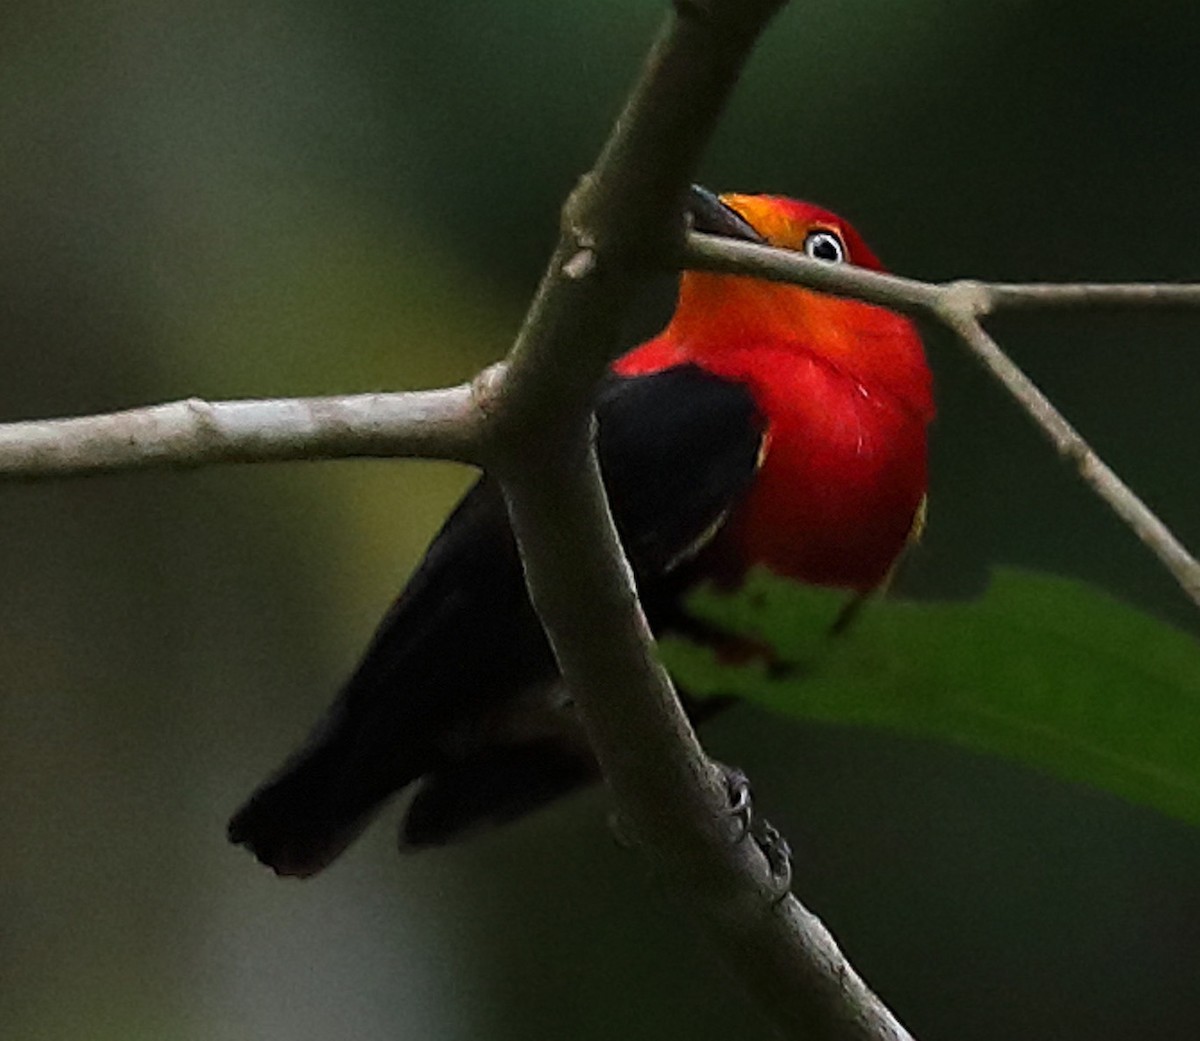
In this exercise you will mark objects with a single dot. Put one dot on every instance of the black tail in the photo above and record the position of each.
(302, 819)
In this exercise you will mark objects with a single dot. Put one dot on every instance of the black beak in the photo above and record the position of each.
(712, 217)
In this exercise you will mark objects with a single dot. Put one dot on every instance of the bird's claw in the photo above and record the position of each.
(741, 801)
(766, 836)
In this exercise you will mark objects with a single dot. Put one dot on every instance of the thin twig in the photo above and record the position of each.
(1141, 296)
(728, 256)
(731, 257)
(1071, 446)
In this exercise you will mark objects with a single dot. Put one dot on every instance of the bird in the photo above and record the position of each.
(766, 426)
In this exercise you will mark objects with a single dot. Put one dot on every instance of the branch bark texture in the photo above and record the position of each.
(439, 423)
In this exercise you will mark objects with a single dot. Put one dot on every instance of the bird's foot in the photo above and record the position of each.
(773, 846)
(741, 800)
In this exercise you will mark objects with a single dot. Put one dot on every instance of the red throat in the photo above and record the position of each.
(846, 395)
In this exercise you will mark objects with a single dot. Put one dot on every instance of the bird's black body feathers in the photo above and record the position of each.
(458, 688)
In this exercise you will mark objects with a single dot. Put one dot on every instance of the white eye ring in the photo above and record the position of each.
(825, 245)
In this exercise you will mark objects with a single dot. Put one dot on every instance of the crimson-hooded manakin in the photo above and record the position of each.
(767, 425)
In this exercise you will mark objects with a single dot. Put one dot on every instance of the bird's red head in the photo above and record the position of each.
(877, 348)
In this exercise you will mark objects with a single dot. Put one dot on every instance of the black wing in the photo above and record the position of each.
(677, 449)
(451, 667)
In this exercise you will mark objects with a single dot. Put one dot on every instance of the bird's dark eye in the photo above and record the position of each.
(825, 245)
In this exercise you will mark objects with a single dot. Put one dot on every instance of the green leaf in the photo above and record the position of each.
(1050, 671)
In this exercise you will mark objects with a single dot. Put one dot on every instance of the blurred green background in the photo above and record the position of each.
(265, 198)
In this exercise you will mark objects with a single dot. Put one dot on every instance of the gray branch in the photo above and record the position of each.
(432, 423)
(621, 222)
